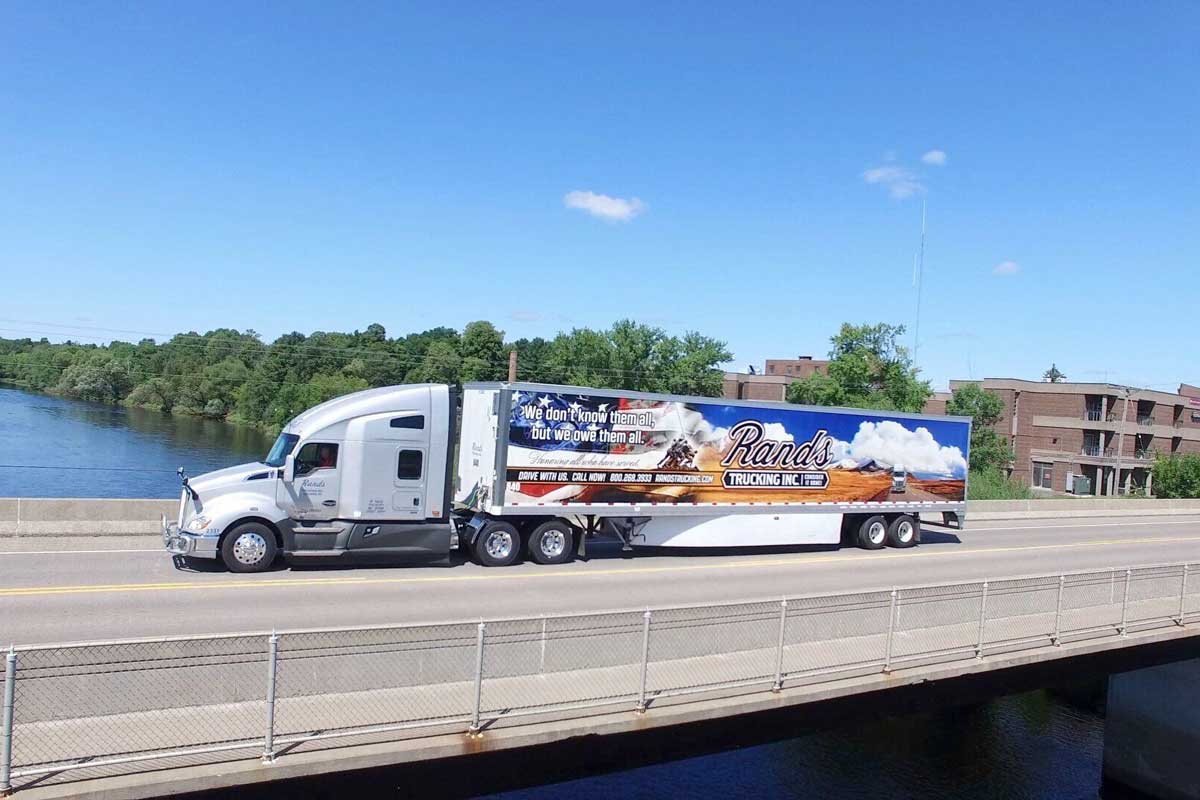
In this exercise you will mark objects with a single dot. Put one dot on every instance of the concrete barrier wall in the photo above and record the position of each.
(1109, 507)
(92, 517)
(88, 517)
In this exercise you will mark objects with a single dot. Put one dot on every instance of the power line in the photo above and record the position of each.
(91, 469)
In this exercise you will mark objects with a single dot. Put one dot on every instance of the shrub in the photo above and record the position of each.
(1177, 475)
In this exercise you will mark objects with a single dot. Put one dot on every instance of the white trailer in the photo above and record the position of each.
(510, 470)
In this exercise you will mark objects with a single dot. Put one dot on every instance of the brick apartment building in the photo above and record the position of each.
(772, 383)
(796, 368)
(1102, 432)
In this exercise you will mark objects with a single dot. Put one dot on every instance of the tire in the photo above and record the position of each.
(497, 545)
(250, 547)
(902, 531)
(872, 533)
(552, 542)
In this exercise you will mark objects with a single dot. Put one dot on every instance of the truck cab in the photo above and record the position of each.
(899, 479)
(364, 476)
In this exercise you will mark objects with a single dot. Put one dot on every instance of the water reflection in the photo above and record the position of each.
(1033, 745)
(111, 452)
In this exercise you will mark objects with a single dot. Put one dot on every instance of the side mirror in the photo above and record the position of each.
(289, 469)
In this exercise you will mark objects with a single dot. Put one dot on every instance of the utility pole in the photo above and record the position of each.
(919, 279)
(1120, 442)
(512, 366)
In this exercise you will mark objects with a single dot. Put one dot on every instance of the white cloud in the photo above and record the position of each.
(889, 443)
(901, 182)
(935, 158)
(613, 209)
(1006, 268)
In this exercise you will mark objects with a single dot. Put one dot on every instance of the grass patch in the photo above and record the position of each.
(993, 484)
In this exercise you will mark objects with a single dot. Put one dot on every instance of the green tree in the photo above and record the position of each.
(989, 450)
(1052, 375)
(441, 364)
(868, 368)
(156, 393)
(1176, 475)
(484, 356)
(531, 359)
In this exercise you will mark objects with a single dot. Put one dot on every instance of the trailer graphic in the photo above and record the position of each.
(603, 447)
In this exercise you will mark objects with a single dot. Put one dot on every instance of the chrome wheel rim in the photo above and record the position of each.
(904, 531)
(876, 532)
(553, 543)
(499, 545)
(250, 548)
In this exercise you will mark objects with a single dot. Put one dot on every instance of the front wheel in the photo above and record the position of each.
(552, 542)
(498, 544)
(250, 547)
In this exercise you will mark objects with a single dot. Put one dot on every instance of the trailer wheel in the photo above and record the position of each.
(552, 542)
(872, 533)
(498, 544)
(902, 532)
(250, 547)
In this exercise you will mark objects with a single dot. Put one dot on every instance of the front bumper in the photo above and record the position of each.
(185, 543)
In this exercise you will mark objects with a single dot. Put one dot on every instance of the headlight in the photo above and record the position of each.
(198, 523)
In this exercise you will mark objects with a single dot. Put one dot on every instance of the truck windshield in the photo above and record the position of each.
(281, 449)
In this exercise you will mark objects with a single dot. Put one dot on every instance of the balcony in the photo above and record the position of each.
(1146, 420)
(1094, 415)
(1093, 450)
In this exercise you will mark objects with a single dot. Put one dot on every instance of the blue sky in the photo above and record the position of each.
(306, 166)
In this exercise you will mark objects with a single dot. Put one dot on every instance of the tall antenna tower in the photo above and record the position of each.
(918, 280)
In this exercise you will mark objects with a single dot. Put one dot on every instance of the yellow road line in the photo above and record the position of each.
(251, 583)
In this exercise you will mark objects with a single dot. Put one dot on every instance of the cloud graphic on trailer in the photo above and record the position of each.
(889, 443)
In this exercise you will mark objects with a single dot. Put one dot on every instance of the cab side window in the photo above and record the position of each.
(316, 455)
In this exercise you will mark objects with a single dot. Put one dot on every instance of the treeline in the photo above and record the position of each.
(236, 376)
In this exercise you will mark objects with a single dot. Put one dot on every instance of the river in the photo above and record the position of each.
(1033, 745)
(54, 447)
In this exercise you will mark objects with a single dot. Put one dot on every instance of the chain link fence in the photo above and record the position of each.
(79, 711)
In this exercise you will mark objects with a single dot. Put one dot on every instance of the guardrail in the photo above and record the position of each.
(93, 709)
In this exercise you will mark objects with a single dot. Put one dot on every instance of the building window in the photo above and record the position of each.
(408, 466)
(1043, 475)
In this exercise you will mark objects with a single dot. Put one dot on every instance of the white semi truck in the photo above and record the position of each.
(506, 471)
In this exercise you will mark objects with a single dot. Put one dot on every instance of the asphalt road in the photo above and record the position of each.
(75, 589)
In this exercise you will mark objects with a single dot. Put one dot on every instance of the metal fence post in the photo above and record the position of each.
(778, 687)
(1056, 638)
(1125, 604)
(982, 620)
(542, 659)
(641, 703)
(474, 729)
(1183, 597)
(887, 656)
(268, 755)
(10, 686)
